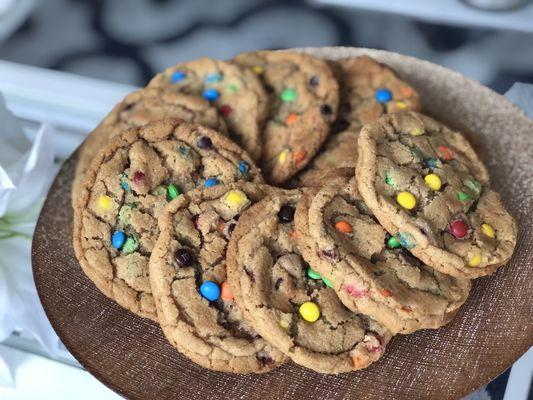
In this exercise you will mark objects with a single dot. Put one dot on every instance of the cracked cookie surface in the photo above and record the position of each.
(426, 186)
(368, 90)
(191, 252)
(126, 187)
(302, 317)
(138, 109)
(236, 92)
(304, 97)
(369, 270)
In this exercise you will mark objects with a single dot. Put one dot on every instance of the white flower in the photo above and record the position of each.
(26, 172)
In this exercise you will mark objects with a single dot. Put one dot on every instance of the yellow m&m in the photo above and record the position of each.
(104, 201)
(433, 181)
(258, 69)
(417, 131)
(282, 157)
(235, 198)
(406, 200)
(475, 260)
(488, 230)
(309, 311)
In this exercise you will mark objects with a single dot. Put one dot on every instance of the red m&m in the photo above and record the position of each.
(459, 229)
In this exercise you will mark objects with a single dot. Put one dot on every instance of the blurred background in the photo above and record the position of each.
(129, 41)
(109, 46)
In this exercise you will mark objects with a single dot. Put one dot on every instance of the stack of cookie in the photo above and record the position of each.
(278, 206)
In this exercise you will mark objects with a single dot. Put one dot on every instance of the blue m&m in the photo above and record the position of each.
(210, 290)
(178, 76)
(244, 168)
(211, 182)
(118, 239)
(383, 95)
(211, 94)
(213, 78)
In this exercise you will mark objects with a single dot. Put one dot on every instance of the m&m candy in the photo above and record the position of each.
(309, 311)
(327, 282)
(213, 78)
(383, 95)
(475, 260)
(226, 110)
(459, 229)
(243, 167)
(210, 94)
(177, 76)
(138, 177)
(225, 292)
(288, 95)
(393, 242)
(406, 200)
(416, 131)
(433, 181)
(488, 230)
(172, 191)
(343, 227)
(445, 152)
(118, 239)
(104, 201)
(311, 273)
(130, 245)
(210, 182)
(210, 290)
(463, 196)
(235, 198)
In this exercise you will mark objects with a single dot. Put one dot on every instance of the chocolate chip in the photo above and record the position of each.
(325, 109)
(314, 81)
(286, 214)
(231, 228)
(265, 360)
(183, 257)
(204, 142)
(341, 125)
(278, 283)
(250, 273)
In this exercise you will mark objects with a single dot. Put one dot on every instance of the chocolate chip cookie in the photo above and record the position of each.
(369, 270)
(368, 89)
(138, 109)
(428, 188)
(236, 92)
(301, 316)
(195, 305)
(125, 189)
(303, 103)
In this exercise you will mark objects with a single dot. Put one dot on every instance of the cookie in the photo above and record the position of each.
(236, 92)
(428, 188)
(125, 189)
(368, 89)
(339, 151)
(138, 109)
(303, 103)
(370, 272)
(195, 305)
(302, 317)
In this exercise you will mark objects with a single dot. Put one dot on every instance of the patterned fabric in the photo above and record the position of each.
(130, 41)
